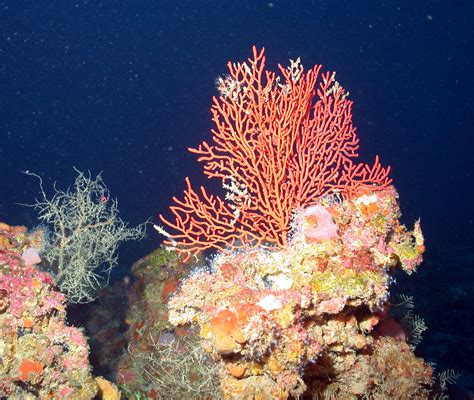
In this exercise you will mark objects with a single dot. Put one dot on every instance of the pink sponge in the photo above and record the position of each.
(31, 256)
(319, 225)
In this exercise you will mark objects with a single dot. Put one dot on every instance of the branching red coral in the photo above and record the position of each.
(278, 144)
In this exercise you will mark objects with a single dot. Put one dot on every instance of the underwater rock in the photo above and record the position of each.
(308, 335)
(41, 357)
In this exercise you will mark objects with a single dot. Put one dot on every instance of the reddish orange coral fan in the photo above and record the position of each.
(278, 144)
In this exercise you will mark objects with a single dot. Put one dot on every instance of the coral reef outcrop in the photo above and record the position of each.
(305, 318)
(40, 355)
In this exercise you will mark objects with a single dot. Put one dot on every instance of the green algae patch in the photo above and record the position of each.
(379, 222)
(406, 250)
(160, 257)
(347, 282)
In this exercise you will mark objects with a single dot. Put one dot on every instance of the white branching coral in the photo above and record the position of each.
(83, 235)
(180, 369)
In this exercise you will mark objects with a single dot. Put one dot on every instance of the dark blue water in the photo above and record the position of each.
(124, 87)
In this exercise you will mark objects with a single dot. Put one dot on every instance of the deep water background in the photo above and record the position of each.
(124, 87)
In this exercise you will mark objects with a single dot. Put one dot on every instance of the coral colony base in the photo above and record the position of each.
(311, 316)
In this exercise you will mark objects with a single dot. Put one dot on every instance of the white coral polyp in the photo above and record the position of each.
(366, 200)
(270, 303)
(281, 282)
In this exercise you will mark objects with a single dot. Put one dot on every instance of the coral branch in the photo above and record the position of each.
(83, 235)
